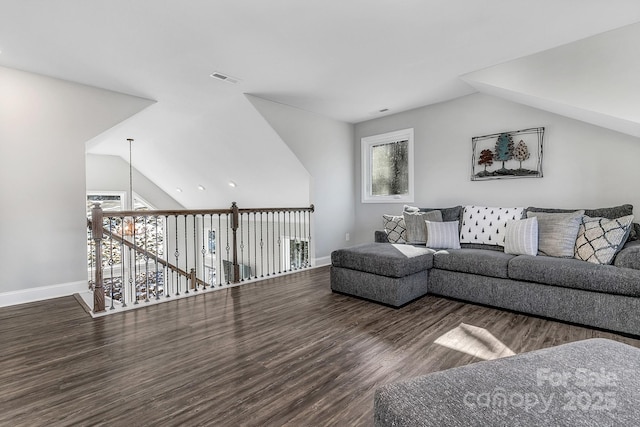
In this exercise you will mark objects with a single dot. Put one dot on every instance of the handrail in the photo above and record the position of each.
(239, 242)
(206, 211)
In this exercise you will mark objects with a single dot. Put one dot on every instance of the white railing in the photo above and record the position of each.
(143, 256)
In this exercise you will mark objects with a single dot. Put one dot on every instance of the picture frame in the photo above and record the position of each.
(507, 155)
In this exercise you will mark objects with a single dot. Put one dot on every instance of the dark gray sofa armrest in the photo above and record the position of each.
(629, 256)
(381, 236)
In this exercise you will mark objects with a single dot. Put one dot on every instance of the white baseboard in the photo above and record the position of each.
(325, 260)
(41, 293)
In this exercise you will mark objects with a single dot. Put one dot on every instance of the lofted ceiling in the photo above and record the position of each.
(346, 60)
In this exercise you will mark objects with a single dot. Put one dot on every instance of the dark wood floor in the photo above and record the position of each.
(284, 351)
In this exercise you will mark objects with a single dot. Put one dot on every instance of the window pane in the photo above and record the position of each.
(390, 168)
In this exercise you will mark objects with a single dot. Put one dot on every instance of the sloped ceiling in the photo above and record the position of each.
(594, 80)
(346, 60)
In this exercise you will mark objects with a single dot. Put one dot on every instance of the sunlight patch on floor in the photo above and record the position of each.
(477, 342)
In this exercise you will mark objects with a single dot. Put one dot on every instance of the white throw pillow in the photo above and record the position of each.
(443, 235)
(486, 225)
(521, 237)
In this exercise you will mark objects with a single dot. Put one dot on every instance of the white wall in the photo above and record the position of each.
(325, 148)
(111, 173)
(584, 166)
(44, 124)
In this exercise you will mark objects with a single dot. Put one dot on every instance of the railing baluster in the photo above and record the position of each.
(110, 262)
(242, 245)
(186, 252)
(212, 250)
(203, 251)
(135, 293)
(167, 273)
(249, 243)
(146, 264)
(177, 256)
(218, 255)
(157, 273)
(261, 249)
(123, 272)
(279, 246)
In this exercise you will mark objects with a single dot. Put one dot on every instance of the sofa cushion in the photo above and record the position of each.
(629, 256)
(384, 259)
(573, 273)
(486, 225)
(474, 261)
(609, 213)
(557, 232)
(395, 228)
(416, 227)
(599, 239)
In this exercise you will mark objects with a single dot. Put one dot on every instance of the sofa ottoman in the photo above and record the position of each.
(594, 382)
(386, 273)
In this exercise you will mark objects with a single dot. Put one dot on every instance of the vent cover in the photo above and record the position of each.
(224, 77)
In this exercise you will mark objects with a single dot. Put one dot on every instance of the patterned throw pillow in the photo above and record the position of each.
(416, 227)
(443, 235)
(395, 228)
(521, 237)
(557, 232)
(486, 225)
(600, 239)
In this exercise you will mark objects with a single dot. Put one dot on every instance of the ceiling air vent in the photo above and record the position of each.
(224, 77)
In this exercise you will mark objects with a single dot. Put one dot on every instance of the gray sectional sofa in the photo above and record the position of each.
(572, 290)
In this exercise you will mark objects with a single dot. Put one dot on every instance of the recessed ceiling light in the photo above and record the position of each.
(179, 190)
(232, 184)
(201, 187)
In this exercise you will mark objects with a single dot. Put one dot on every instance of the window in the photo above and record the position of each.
(387, 167)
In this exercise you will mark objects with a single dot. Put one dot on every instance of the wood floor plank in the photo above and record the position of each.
(285, 351)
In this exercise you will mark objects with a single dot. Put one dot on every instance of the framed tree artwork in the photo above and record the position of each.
(515, 154)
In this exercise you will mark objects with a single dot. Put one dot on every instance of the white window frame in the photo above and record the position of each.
(367, 143)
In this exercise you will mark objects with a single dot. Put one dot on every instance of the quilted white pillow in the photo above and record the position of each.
(486, 225)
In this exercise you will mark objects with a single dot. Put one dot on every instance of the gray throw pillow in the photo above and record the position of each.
(557, 232)
(416, 226)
